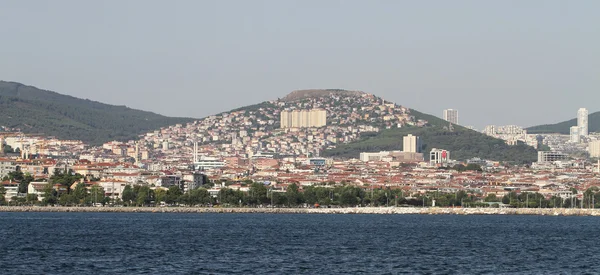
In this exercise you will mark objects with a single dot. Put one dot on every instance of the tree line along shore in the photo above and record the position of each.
(341, 210)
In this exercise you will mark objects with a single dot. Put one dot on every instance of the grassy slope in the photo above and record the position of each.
(38, 111)
(462, 143)
(564, 127)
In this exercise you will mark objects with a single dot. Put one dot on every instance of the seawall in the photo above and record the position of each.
(349, 210)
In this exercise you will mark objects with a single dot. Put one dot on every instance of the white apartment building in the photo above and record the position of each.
(575, 136)
(303, 118)
(594, 149)
(582, 121)
(7, 166)
(451, 116)
(411, 144)
(378, 156)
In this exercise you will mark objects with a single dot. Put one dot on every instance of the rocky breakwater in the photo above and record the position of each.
(349, 210)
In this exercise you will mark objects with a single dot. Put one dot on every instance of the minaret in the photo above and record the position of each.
(195, 151)
(137, 153)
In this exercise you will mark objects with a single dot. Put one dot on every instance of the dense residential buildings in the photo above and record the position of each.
(231, 149)
(582, 121)
(111, 171)
(512, 134)
(451, 116)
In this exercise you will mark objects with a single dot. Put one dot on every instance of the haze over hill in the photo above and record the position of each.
(565, 126)
(34, 110)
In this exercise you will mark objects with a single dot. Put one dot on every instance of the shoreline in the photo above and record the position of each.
(349, 210)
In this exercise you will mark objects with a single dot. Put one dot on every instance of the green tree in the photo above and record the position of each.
(2, 195)
(31, 199)
(257, 194)
(491, 198)
(25, 180)
(173, 194)
(160, 195)
(96, 195)
(128, 195)
(144, 196)
(49, 196)
(199, 196)
(293, 195)
(79, 194)
(473, 167)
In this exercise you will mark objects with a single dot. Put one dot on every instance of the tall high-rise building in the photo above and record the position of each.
(451, 116)
(575, 135)
(582, 121)
(303, 118)
(411, 144)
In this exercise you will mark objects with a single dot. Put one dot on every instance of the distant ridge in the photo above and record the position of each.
(565, 126)
(310, 93)
(34, 110)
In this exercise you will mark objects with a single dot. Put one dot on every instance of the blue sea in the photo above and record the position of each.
(169, 243)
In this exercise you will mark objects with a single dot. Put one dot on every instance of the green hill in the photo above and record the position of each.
(38, 111)
(564, 127)
(462, 143)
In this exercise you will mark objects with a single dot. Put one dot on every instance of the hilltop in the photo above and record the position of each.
(34, 110)
(565, 126)
(316, 93)
(356, 122)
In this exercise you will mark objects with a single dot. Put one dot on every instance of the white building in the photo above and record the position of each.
(575, 136)
(7, 166)
(451, 116)
(303, 118)
(594, 149)
(37, 188)
(208, 163)
(439, 156)
(365, 156)
(551, 156)
(582, 121)
(411, 144)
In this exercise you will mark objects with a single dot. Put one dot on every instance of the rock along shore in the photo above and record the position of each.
(349, 210)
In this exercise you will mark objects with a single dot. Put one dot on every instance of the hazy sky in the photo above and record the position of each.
(497, 62)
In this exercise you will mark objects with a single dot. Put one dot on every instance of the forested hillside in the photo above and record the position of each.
(461, 142)
(38, 111)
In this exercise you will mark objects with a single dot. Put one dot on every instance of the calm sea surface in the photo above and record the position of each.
(167, 243)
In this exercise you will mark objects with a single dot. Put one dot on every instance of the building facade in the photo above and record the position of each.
(378, 156)
(551, 156)
(582, 121)
(594, 149)
(411, 144)
(439, 157)
(575, 137)
(303, 118)
(451, 116)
